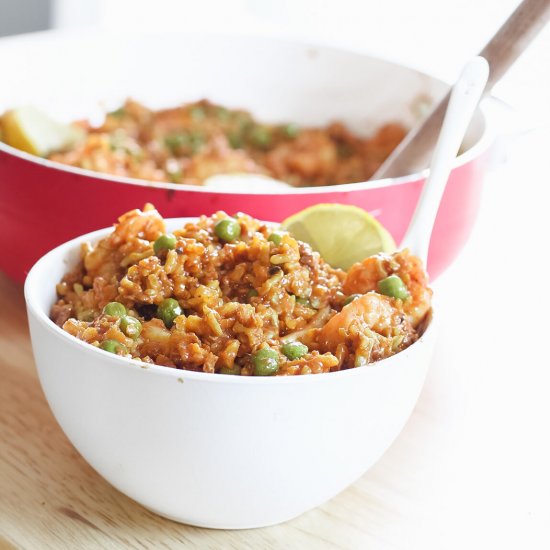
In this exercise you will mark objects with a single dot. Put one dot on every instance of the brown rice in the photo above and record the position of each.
(236, 298)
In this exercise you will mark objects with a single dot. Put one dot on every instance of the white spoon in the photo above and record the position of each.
(463, 101)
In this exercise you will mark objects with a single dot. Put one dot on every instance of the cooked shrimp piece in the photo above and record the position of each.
(371, 310)
(136, 227)
(368, 329)
(364, 277)
(144, 224)
(411, 272)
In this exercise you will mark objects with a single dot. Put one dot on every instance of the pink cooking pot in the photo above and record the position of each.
(73, 76)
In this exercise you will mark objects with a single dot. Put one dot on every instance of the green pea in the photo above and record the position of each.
(118, 113)
(228, 230)
(294, 350)
(168, 310)
(393, 286)
(252, 293)
(130, 326)
(114, 309)
(291, 130)
(351, 297)
(175, 176)
(303, 301)
(261, 136)
(165, 242)
(243, 119)
(266, 362)
(235, 140)
(276, 237)
(175, 141)
(223, 114)
(113, 346)
(197, 113)
(196, 141)
(235, 369)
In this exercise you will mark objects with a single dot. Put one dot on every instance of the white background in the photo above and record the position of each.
(433, 35)
(481, 479)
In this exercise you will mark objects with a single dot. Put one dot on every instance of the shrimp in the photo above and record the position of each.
(147, 224)
(135, 227)
(372, 310)
(364, 276)
(370, 327)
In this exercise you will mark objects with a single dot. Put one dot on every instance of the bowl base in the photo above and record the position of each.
(233, 526)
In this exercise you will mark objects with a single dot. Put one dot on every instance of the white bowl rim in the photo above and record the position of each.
(481, 145)
(181, 374)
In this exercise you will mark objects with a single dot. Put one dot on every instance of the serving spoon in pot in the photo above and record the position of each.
(463, 101)
(412, 154)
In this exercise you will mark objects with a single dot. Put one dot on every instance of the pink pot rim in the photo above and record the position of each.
(478, 149)
(475, 151)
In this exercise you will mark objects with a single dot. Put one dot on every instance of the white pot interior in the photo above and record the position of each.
(79, 75)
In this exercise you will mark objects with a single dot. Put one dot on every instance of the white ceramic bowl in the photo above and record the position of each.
(212, 450)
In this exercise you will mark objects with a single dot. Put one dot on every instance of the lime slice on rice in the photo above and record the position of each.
(32, 131)
(342, 234)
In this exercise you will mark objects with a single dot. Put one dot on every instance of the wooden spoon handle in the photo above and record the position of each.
(512, 39)
(414, 152)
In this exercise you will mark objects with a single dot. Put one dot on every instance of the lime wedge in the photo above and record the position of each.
(342, 234)
(30, 130)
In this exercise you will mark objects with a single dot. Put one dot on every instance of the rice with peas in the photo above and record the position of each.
(192, 142)
(231, 295)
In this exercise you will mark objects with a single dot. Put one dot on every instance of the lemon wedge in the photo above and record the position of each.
(342, 234)
(34, 132)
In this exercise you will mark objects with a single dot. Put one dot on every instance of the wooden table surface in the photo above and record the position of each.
(470, 469)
